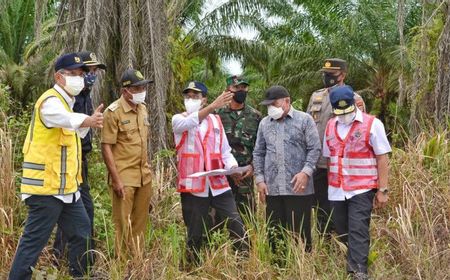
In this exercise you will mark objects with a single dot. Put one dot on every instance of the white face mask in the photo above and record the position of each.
(275, 112)
(74, 85)
(138, 98)
(192, 105)
(347, 118)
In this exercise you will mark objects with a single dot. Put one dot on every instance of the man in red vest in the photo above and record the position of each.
(202, 145)
(357, 149)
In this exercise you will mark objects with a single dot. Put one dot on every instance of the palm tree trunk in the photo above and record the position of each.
(442, 89)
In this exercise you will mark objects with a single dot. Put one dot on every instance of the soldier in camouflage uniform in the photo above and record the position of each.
(240, 122)
(334, 72)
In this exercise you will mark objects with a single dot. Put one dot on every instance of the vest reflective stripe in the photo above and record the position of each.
(352, 163)
(63, 169)
(195, 154)
(213, 152)
(354, 171)
(33, 182)
(52, 156)
(35, 166)
(355, 161)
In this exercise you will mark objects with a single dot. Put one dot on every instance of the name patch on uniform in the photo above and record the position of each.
(125, 122)
(358, 134)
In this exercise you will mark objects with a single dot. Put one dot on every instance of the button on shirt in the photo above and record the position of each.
(379, 142)
(127, 130)
(182, 123)
(54, 114)
(283, 149)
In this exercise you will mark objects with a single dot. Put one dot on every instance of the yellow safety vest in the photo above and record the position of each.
(52, 156)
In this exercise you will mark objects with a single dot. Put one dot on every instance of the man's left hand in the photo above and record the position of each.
(380, 200)
(300, 182)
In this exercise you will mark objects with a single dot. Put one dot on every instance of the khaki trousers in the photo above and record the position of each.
(130, 217)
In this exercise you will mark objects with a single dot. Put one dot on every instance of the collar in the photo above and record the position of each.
(228, 109)
(289, 114)
(70, 100)
(359, 115)
(126, 107)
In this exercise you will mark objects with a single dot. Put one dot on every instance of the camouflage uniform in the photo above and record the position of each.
(241, 127)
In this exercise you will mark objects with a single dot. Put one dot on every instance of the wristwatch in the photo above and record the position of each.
(384, 190)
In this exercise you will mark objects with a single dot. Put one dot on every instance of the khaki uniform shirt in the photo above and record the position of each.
(127, 131)
(320, 109)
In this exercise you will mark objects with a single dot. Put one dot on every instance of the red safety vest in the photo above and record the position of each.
(195, 154)
(353, 163)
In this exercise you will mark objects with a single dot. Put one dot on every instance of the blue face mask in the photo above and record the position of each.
(89, 79)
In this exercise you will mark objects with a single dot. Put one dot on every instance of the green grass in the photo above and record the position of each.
(410, 237)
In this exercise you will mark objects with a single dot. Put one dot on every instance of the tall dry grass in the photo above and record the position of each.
(410, 238)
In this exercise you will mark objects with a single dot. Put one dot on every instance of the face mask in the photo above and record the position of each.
(89, 79)
(329, 79)
(192, 105)
(240, 96)
(347, 118)
(275, 112)
(74, 85)
(139, 98)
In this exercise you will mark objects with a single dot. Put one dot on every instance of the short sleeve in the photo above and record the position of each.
(378, 139)
(110, 128)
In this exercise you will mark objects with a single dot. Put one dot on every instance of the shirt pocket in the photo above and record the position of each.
(249, 130)
(316, 110)
(127, 131)
(66, 137)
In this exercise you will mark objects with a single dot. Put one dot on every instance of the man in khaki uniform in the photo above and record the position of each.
(334, 73)
(124, 148)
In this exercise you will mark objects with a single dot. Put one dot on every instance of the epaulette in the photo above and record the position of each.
(113, 106)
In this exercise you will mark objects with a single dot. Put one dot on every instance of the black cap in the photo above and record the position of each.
(90, 59)
(273, 93)
(69, 61)
(334, 64)
(342, 99)
(131, 78)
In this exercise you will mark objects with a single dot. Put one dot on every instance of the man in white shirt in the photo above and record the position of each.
(202, 145)
(357, 149)
(52, 172)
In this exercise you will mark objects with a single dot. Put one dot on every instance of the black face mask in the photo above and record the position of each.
(330, 80)
(240, 96)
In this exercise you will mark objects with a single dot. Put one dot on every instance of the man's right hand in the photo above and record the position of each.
(95, 120)
(263, 191)
(222, 100)
(119, 189)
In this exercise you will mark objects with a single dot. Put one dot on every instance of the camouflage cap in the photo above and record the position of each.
(236, 80)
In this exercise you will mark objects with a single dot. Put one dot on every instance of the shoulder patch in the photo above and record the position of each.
(113, 106)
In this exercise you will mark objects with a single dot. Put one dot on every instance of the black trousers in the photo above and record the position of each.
(60, 243)
(195, 216)
(351, 219)
(292, 213)
(321, 202)
(44, 212)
